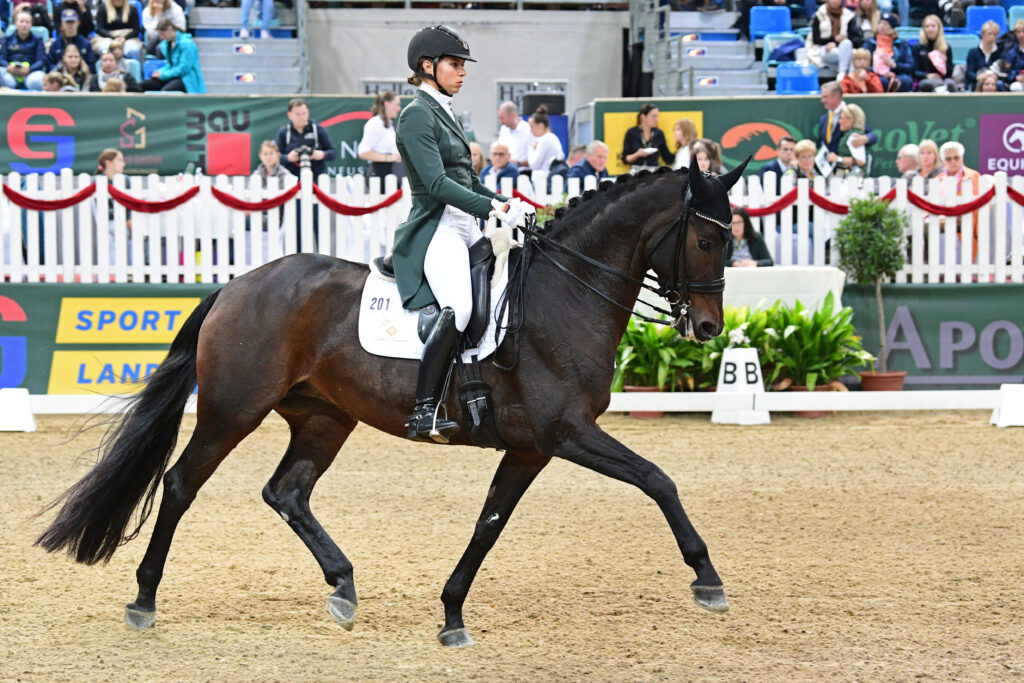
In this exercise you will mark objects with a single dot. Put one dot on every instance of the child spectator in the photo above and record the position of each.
(934, 58)
(985, 57)
(74, 70)
(53, 82)
(115, 85)
(118, 19)
(22, 58)
(861, 78)
(891, 58)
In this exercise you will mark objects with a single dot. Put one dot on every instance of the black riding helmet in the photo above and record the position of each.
(435, 42)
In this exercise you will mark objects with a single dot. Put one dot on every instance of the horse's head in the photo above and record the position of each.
(689, 256)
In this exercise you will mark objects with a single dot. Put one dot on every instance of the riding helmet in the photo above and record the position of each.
(435, 42)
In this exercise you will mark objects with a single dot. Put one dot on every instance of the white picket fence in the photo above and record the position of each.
(205, 241)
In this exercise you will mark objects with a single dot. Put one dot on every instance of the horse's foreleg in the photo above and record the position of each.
(315, 442)
(514, 475)
(596, 450)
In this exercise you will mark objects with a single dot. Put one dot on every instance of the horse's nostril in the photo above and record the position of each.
(709, 329)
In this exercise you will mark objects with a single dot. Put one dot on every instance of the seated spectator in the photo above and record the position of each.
(117, 48)
(861, 78)
(115, 85)
(37, 9)
(906, 161)
(804, 151)
(985, 57)
(952, 154)
(868, 16)
(69, 34)
(786, 151)
(501, 165)
(594, 162)
(850, 160)
(746, 248)
(476, 153)
(934, 58)
(835, 32)
(1015, 59)
(927, 160)
(645, 136)
(86, 25)
(891, 58)
(108, 70)
(685, 132)
(74, 70)
(22, 57)
(151, 16)
(988, 82)
(575, 154)
(118, 19)
(545, 148)
(181, 72)
(53, 82)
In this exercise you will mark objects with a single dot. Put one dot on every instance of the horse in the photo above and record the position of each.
(284, 338)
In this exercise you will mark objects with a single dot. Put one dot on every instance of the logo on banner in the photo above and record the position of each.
(13, 350)
(757, 139)
(102, 372)
(30, 137)
(122, 320)
(133, 134)
(1001, 144)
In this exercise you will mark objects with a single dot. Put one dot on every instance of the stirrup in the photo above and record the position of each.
(425, 425)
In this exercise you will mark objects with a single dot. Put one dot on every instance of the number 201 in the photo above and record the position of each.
(380, 303)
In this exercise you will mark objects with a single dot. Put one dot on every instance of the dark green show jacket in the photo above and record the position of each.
(439, 165)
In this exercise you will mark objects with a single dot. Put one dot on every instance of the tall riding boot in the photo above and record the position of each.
(438, 352)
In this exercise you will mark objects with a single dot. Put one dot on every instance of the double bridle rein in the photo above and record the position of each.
(676, 292)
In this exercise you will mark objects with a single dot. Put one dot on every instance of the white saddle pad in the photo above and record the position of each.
(387, 329)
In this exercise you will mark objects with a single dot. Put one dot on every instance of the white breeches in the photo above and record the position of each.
(446, 264)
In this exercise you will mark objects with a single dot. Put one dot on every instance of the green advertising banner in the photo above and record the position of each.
(991, 127)
(947, 336)
(165, 134)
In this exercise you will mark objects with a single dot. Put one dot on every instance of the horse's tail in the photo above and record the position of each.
(134, 454)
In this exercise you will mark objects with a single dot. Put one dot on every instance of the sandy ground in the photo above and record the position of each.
(857, 547)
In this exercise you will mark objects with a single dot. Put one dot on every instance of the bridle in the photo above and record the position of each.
(676, 292)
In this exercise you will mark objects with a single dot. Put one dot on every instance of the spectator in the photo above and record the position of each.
(108, 71)
(988, 81)
(476, 152)
(501, 165)
(53, 82)
(111, 164)
(300, 131)
(115, 85)
(850, 160)
(835, 31)
(270, 167)
(828, 124)
(783, 161)
(645, 141)
(514, 133)
(927, 160)
(151, 16)
(69, 33)
(933, 58)
(266, 16)
(182, 71)
(746, 248)
(86, 25)
(703, 156)
(1015, 58)
(377, 146)
(868, 17)
(575, 154)
(546, 147)
(22, 57)
(985, 57)
(73, 69)
(38, 10)
(861, 78)
(906, 161)
(805, 152)
(594, 162)
(685, 133)
(117, 48)
(715, 152)
(952, 154)
(892, 59)
(118, 19)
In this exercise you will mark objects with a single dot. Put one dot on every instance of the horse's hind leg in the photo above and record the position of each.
(316, 440)
(514, 475)
(596, 450)
(215, 436)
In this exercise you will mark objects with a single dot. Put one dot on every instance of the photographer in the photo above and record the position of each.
(300, 133)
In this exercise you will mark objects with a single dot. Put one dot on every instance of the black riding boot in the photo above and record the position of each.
(438, 352)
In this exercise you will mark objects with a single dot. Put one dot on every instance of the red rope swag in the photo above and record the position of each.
(26, 202)
(232, 202)
(142, 206)
(346, 210)
(920, 202)
(519, 195)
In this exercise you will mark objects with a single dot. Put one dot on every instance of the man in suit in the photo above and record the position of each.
(499, 166)
(786, 150)
(594, 162)
(828, 133)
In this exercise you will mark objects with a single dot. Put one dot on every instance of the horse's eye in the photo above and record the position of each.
(703, 245)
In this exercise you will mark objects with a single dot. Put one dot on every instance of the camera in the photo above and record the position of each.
(304, 152)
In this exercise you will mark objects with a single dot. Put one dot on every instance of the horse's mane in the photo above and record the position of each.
(592, 201)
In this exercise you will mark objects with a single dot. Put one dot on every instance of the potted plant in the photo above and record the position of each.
(648, 360)
(813, 349)
(870, 243)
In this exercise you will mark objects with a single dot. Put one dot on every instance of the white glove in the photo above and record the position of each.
(513, 212)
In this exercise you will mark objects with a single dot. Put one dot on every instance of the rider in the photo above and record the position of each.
(431, 250)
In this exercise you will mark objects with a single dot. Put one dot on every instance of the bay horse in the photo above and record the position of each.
(284, 338)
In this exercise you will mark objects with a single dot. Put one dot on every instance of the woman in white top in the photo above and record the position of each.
(378, 145)
(151, 16)
(546, 146)
(686, 134)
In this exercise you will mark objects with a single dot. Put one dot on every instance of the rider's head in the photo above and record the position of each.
(430, 45)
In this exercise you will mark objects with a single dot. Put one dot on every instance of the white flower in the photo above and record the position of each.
(736, 337)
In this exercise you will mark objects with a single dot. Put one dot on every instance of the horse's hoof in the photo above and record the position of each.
(711, 598)
(456, 637)
(343, 610)
(139, 619)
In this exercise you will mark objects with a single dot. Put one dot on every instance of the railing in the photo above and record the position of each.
(204, 240)
(480, 4)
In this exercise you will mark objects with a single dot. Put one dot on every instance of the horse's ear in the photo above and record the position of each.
(698, 183)
(730, 178)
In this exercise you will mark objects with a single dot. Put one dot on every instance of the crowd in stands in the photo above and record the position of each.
(82, 48)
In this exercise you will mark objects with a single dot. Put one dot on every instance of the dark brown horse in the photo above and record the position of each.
(284, 338)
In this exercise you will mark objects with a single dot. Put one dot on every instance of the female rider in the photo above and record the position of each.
(431, 252)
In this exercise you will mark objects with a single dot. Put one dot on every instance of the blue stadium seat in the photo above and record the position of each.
(796, 79)
(961, 44)
(772, 41)
(909, 34)
(979, 14)
(769, 19)
(1016, 13)
(38, 31)
(153, 65)
(135, 69)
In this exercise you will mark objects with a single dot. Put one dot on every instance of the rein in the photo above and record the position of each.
(677, 293)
